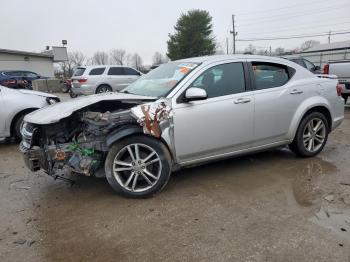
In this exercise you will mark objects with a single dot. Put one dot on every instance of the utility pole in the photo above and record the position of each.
(329, 37)
(234, 33)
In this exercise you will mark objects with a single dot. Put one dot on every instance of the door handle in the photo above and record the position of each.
(296, 92)
(242, 100)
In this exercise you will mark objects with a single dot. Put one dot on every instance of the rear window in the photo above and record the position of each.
(116, 71)
(130, 71)
(97, 71)
(269, 75)
(79, 71)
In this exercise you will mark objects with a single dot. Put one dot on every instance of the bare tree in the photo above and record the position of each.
(308, 44)
(250, 49)
(118, 56)
(77, 58)
(74, 59)
(279, 51)
(158, 58)
(136, 61)
(100, 58)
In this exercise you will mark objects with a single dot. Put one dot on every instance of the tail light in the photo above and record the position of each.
(339, 89)
(326, 69)
(82, 80)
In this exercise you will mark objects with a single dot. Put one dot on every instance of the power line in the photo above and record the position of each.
(287, 17)
(281, 8)
(298, 28)
(294, 36)
(295, 13)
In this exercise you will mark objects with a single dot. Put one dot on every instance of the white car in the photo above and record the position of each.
(15, 104)
(88, 80)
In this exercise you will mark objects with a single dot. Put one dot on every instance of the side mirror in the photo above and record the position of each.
(317, 68)
(195, 94)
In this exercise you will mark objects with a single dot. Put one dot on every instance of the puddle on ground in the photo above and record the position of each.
(308, 178)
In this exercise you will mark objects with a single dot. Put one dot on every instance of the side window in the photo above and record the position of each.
(269, 75)
(116, 71)
(31, 74)
(310, 66)
(131, 72)
(97, 71)
(221, 80)
(298, 61)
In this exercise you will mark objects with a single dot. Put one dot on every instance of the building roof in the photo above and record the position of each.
(329, 47)
(16, 52)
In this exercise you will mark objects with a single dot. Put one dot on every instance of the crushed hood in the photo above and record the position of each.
(54, 113)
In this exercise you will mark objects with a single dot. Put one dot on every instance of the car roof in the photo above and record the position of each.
(217, 58)
(96, 66)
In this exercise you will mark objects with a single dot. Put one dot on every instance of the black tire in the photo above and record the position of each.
(17, 124)
(72, 94)
(298, 146)
(345, 97)
(103, 89)
(163, 172)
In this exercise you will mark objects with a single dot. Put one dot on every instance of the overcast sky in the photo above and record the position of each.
(143, 26)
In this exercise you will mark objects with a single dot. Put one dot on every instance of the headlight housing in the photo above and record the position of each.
(52, 100)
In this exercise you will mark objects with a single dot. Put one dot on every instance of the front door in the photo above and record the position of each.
(220, 124)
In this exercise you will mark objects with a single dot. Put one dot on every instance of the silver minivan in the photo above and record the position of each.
(88, 80)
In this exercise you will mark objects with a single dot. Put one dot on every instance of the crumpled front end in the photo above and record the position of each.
(78, 144)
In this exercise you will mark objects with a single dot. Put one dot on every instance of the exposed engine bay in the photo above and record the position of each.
(79, 143)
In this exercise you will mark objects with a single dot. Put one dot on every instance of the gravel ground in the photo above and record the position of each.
(270, 206)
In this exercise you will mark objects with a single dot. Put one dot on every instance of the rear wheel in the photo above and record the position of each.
(138, 166)
(311, 136)
(103, 89)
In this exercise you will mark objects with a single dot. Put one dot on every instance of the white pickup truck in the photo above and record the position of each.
(341, 69)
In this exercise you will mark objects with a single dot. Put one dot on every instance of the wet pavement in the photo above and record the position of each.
(270, 206)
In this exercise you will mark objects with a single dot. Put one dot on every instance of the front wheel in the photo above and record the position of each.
(311, 136)
(138, 166)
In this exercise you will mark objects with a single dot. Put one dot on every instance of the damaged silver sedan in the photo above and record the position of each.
(181, 114)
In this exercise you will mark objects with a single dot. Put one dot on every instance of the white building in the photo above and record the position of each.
(322, 53)
(41, 63)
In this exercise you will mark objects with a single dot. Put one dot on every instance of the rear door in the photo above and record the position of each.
(276, 100)
(117, 78)
(132, 74)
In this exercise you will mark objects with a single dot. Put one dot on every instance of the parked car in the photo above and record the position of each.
(342, 70)
(15, 104)
(307, 64)
(184, 113)
(89, 80)
(18, 78)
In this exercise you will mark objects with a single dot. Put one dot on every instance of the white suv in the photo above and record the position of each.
(89, 80)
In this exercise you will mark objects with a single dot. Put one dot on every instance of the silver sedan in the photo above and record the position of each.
(185, 113)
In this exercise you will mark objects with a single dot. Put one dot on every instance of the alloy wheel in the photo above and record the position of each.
(137, 167)
(314, 134)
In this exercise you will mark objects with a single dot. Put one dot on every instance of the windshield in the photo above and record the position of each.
(161, 80)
